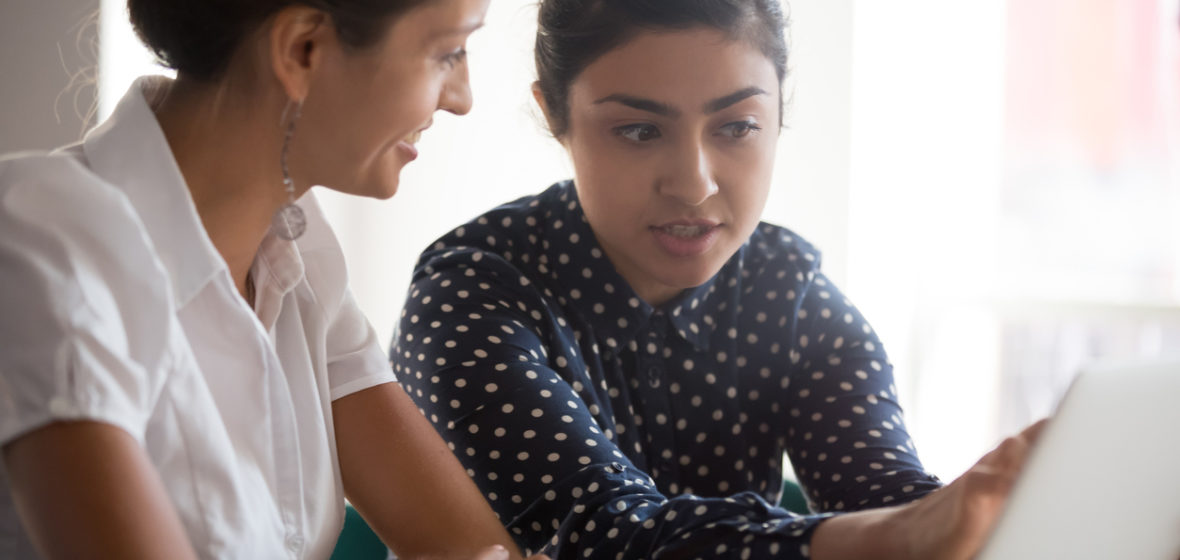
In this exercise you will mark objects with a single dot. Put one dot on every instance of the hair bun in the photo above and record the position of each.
(197, 38)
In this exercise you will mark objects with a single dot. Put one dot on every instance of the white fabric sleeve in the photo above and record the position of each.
(85, 307)
(356, 358)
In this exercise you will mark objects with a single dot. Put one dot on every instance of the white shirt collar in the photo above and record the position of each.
(130, 151)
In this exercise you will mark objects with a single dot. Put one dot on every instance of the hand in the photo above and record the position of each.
(497, 552)
(951, 523)
(954, 522)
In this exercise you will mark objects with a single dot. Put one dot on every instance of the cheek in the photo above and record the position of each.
(615, 208)
(399, 111)
(401, 99)
(595, 175)
(750, 176)
(743, 189)
(615, 175)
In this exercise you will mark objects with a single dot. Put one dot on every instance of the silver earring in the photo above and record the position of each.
(289, 222)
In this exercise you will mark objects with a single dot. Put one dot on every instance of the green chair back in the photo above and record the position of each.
(793, 498)
(357, 541)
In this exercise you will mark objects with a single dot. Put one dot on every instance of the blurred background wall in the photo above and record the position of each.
(48, 52)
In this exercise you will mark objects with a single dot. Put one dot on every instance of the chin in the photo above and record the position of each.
(380, 181)
(388, 191)
(381, 187)
(686, 277)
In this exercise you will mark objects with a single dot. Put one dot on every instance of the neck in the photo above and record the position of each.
(227, 148)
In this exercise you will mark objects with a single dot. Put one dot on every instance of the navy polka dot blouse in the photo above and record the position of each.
(598, 426)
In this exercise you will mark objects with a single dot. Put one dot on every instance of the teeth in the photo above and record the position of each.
(414, 138)
(685, 231)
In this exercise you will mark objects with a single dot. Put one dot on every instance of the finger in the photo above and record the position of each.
(1013, 451)
(1033, 432)
(984, 481)
(1007, 456)
(495, 552)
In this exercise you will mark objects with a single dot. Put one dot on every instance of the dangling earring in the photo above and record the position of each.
(289, 221)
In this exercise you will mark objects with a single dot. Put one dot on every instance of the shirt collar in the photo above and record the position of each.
(278, 268)
(607, 301)
(695, 313)
(130, 152)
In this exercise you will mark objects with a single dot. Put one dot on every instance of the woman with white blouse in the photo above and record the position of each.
(184, 371)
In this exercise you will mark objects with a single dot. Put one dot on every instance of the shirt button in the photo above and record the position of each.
(295, 542)
(653, 376)
(615, 467)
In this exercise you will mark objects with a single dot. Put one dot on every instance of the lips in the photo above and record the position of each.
(685, 231)
(408, 149)
(406, 145)
(686, 238)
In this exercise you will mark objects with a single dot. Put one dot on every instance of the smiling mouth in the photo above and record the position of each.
(413, 138)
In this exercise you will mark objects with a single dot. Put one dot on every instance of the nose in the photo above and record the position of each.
(690, 177)
(455, 96)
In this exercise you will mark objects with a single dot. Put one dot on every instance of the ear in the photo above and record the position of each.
(298, 38)
(539, 96)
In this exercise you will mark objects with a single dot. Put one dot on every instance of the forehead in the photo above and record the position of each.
(439, 20)
(688, 66)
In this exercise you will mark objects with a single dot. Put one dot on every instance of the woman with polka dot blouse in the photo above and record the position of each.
(621, 361)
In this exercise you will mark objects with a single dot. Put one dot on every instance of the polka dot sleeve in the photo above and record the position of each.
(847, 440)
(474, 358)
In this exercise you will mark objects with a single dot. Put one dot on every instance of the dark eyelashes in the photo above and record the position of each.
(642, 132)
(453, 58)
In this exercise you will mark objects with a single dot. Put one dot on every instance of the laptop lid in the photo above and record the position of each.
(1103, 481)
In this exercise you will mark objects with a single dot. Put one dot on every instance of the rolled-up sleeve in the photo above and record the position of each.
(86, 313)
(356, 358)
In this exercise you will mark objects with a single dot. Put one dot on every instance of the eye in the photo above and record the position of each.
(638, 133)
(739, 129)
(455, 57)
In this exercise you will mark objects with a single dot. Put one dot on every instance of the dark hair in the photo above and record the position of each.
(197, 38)
(572, 34)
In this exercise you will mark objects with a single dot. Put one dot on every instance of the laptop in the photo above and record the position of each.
(1103, 480)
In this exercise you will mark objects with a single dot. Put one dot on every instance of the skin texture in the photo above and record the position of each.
(657, 139)
(87, 489)
(652, 144)
(363, 104)
(411, 465)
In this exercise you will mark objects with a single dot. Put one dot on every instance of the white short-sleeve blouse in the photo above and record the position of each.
(115, 307)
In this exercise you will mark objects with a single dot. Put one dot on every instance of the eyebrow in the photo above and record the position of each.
(733, 98)
(665, 110)
(642, 104)
(465, 30)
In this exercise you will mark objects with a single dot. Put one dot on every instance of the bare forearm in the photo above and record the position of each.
(865, 534)
(87, 490)
(407, 484)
